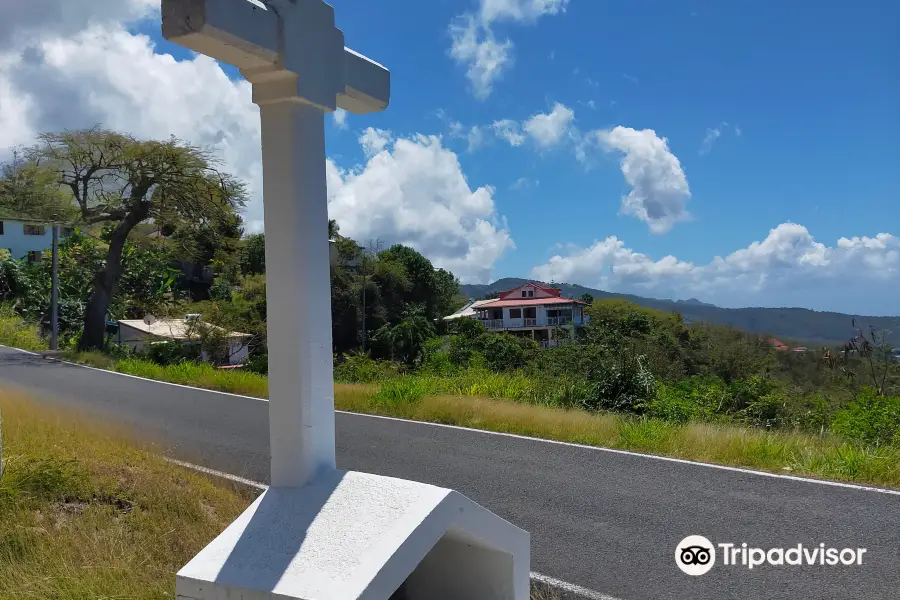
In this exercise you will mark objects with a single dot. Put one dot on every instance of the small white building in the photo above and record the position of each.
(137, 334)
(26, 238)
(531, 310)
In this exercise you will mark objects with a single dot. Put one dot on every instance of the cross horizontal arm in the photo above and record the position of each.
(246, 34)
(367, 85)
(236, 32)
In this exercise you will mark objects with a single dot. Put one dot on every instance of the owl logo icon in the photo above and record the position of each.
(695, 555)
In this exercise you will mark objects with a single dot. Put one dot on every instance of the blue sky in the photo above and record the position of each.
(814, 88)
(765, 132)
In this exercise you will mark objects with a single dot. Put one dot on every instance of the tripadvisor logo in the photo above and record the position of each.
(696, 555)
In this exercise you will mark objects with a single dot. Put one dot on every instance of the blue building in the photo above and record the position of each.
(25, 238)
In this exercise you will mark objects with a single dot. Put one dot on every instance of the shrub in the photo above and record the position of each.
(461, 350)
(259, 364)
(694, 399)
(623, 384)
(165, 353)
(362, 369)
(870, 418)
(760, 401)
(438, 363)
(505, 352)
(17, 333)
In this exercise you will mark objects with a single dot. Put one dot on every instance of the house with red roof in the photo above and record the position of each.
(531, 310)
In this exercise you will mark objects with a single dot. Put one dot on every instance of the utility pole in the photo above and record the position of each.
(365, 277)
(54, 291)
(366, 253)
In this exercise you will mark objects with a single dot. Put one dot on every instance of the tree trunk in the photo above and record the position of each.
(106, 282)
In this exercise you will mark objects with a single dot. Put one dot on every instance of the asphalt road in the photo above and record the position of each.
(604, 521)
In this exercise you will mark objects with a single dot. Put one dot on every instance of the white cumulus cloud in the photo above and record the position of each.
(789, 267)
(475, 45)
(374, 141)
(89, 69)
(659, 188)
(105, 75)
(509, 130)
(549, 129)
(340, 118)
(714, 133)
(414, 192)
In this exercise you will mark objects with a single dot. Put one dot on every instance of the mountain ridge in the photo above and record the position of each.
(795, 323)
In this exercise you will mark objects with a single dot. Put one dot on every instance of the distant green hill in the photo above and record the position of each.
(797, 324)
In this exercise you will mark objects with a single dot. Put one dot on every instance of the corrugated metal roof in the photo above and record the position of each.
(533, 302)
(469, 309)
(173, 329)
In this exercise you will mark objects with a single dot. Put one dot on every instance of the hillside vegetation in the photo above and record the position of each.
(799, 324)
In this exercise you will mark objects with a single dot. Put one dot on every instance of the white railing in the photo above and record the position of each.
(517, 323)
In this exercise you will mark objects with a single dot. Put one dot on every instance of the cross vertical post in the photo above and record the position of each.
(298, 300)
(295, 59)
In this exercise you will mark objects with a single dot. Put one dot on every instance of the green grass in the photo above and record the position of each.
(17, 334)
(85, 513)
(512, 404)
(202, 375)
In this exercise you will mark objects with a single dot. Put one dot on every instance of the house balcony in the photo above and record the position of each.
(528, 323)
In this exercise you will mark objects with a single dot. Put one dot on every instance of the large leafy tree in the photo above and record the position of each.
(121, 180)
(432, 289)
(29, 189)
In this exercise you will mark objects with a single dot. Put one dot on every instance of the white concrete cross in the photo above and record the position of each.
(319, 533)
(294, 56)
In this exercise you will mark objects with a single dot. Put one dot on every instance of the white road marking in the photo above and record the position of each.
(539, 577)
(19, 350)
(570, 587)
(223, 475)
(839, 484)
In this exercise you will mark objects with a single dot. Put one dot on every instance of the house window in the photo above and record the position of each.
(515, 313)
(524, 294)
(531, 293)
(1, 227)
(67, 231)
(29, 229)
(35, 256)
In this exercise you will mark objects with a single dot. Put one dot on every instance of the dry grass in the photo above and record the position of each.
(86, 514)
(415, 398)
(540, 591)
(775, 451)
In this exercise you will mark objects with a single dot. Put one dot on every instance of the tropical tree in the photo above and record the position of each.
(408, 338)
(29, 190)
(117, 179)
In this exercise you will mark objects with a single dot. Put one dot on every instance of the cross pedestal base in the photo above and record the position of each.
(351, 535)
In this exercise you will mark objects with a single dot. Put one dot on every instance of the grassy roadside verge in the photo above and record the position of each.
(17, 334)
(775, 451)
(98, 517)
(84, 514)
